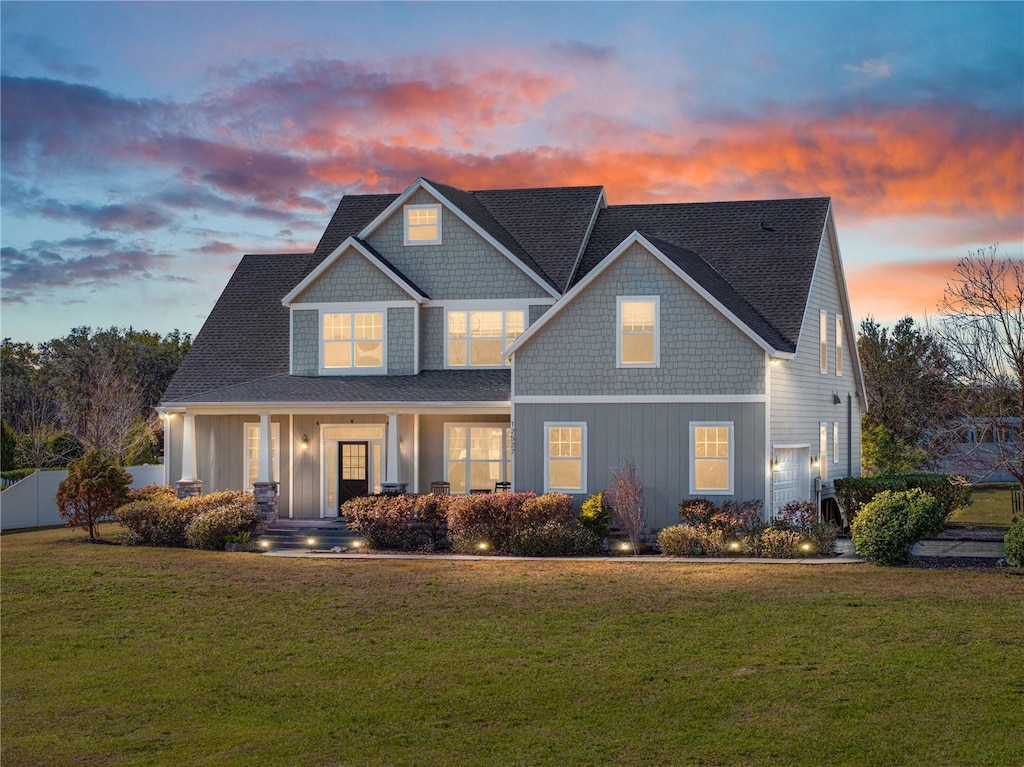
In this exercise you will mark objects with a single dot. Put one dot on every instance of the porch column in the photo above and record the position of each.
(264, 490)
(188, 485)
(392, 470)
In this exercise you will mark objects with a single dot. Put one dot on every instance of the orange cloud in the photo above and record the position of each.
(891, 291)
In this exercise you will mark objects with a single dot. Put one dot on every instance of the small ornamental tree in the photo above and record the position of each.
(626, 497)
(94, 487)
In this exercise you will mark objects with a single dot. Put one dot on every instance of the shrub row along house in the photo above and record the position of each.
(536, 337)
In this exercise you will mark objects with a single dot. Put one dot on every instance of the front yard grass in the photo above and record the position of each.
(137, 656)
(990, 505)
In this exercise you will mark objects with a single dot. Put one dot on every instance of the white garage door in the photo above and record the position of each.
(792, 476)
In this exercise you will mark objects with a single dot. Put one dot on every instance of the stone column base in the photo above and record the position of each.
(265, 495)
(190, 488)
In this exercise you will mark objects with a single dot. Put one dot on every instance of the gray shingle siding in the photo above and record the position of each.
(352, 278)
(536, 312)
(432, 338)
(401, 336)
(801, 396)
(464, 266)
(702, 352)
(305, 342)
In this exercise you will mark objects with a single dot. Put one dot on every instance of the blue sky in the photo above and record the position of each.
(147, 146)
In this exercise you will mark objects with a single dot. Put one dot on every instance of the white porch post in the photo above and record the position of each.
(264, 467)
(392, 470)
(188, 449)
(188, 485)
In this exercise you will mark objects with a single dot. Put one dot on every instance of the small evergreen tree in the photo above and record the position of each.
(94, 487)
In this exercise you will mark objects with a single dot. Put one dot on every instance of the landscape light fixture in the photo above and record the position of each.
(311, 542)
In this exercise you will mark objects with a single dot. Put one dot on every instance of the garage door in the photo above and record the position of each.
(792, 476)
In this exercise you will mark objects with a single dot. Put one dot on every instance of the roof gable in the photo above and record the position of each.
(764, 249)
(352, 244)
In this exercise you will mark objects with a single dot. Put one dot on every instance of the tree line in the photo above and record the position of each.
(929, 385)
(88, 390)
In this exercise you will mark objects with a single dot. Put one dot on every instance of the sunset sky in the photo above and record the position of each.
(147, 146)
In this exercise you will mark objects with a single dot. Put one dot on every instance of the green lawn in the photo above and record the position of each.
(120, 656)
(990, 506)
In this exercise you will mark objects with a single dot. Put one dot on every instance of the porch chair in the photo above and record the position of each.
(441, 488)
(502, 487)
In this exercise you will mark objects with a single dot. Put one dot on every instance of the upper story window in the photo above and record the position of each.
(839, 345)
(823, 341)
(711, 458)
(353, 341)
(422, 224)
(637, 340)
(477, 338)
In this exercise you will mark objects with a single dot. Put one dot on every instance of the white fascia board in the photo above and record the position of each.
(421, 183)
(844, 299)
(335, 256)
(347, 408)
(637, 238)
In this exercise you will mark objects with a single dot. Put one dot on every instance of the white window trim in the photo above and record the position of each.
(823, 451)
(405, 224)
(275, 437)
(731, 425)
(352, 371)
(835, 442)
(823, 341)
(467, 310)
(618, 332)
(582, 426)
(839, 346)
(506, 461)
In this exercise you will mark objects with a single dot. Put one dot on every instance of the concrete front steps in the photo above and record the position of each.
(325, 536)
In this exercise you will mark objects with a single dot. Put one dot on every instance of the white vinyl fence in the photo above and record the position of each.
(30, 502)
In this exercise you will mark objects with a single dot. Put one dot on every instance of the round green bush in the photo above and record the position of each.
(889, 525)
(1014, 543)
(212, 528)
(692, 541)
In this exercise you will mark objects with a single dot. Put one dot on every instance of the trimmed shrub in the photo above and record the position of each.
(232, 520)
(822, 537)
(1014, 543)
(888, 526)
(385, 521)
(432, 511)
(552, 539)
(696, 511)
(692, 541)
(541, 509)
(952, 491)
(485, 518)
(595, 516)
(798, 514)
(142, 518)
(778, 543)
(731, 517)
(155, 516)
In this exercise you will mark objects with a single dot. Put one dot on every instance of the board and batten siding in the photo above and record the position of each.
(464, 266)
(702, 352)
(801, 395)
(655, 437)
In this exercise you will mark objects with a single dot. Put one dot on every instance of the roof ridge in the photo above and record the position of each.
(718, 202)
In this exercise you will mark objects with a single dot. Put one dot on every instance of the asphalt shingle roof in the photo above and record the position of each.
(770, 266)
(429, 386)
(756, 257)
(246, 334)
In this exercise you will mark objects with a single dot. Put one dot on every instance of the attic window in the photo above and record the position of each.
(422, 224)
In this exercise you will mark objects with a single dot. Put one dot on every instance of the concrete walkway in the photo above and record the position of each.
(845, 559)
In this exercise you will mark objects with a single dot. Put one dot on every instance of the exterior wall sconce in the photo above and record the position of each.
(814, 462)
(304, 443)
(836, 399)
(775, 465)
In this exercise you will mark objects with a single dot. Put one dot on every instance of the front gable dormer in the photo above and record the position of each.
(355, 314)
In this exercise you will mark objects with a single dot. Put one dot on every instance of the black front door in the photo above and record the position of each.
(352, 460)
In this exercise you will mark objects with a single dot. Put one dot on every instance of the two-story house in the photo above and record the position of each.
(539, 337)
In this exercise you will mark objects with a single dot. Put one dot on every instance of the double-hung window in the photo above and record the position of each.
(251, 470)
(823, 450)
(422, 224)
(565, 457)
(353, 341)
(835, 442)
(477, 456)
(477, 338)
(637, 337)
(823, 341)
(711, 458)
(839, 345)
